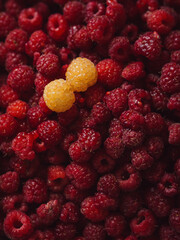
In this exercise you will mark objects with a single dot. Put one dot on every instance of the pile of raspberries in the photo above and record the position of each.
(108, 168)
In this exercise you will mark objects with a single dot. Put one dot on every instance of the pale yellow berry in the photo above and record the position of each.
(58, 95)
(81, 74)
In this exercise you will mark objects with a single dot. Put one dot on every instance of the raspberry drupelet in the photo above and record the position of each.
(9, 182)
(7, 22)
(93, 231)
(74, 12)
(14, 59)
(115, 225)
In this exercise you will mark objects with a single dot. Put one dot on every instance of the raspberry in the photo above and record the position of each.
(40, 83)
(174, 219)
(78, 153)
(116, 13)
(94, 231)
(115, 128)
(82, 39)
(42, 235)
(132, 138)
(30, 20)
(94, 95)
(170, 78)
(36, 43)
(109, 73)
(56, 156)
(56, 179)
(119, 49)
(57, 27)
(140, 159)
(14, 60)
(108, 185)
(7, 22)
(17, 225)
(105, 202)
(15, 40)
(144, 224)
(158, 203)
(74, 12)
(48, 65)
(168, 233)
(73, 194)
(154, 123)
(128, 178)
(81, 74)
(81, 177)
(115, 225)
(35, 191)
(21, 78)
(8, 125)
(168, 185)
(177, 168)
(43, 9)
(13, 7)
(66, 56)
(116, 101)
(94, 9)
(100, 29)
(159, 99)
(69, 213)
(155, 147)
(49, 212)
(91, 55)
(114, 147)
(66, 118)
(3, 52)
(17, 109)
(172, 41)
(174, 134)
(14, 202)
(133, 71)
(130, 237)
(70, 38)
(9, 182)
(147, 5)
(58, 96)
(148, 45)
(130, 203)
(91, 210)
(132, 119)
(130, 31)
(175, 56)
(103, 163)
(65, 231)
(160, 21)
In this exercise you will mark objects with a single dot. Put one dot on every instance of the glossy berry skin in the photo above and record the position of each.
(133, 71)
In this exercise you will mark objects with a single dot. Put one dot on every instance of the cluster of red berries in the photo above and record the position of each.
(109, 167)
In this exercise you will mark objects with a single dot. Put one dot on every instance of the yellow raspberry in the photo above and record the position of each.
(81, 74)
(58, 95)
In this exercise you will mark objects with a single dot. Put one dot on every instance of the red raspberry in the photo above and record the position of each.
(8, 125)
(130, 31)
(40, 83)
(42, 235)
(100, 29)
(158, 203)
(56, 156)
(70, 38)
(30, 20)
(154, 123)
(93, 232)
(74, 12)
(17, 109)
(15, 40)
(81, 177)
(174, 134)
(116, 101)
(172, 41)
(170, 78)
(35, 220)
(132, 138)
(66, 55)
(148, 45)
(114, 147)
(115, 225)
(17, 225)
(68, 140)
(56, 179)
(13, 7)
(21, 78)
(160, 21)
(65, 231)
(91, 55)
(9, 182)
(128, 178)
(94, 9)
(109, 73)
(130, 237)
(36, 43)
(174, 219)
(78, 153)
(168, 185)
(103, 163)
(49, 212)
(57, 27)
(133, 71)
(74, 194)
(35, 191)
(159, 99)
(144, 224)
(69, 213)
(68, 117)
(7, 23)
(3, 52)
(91, 210)
(115, 128)
(43, 9)
(130, 203)
(94, 95)
(155, 147)
(14, 60)
(168, 233)
(175, 56)
(119, 49)
(82, 39)
(132, 119)
(6, 148)
(105, 202)
(50, 132)
(108, 185)
(48, 65)
(100, 113)
(14, 202)
(140, 159)
(177, 168)
(35, 116)
(147, 5)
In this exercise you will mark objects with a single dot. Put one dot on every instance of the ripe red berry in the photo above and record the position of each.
(74, 12)
(93, 231)
(9, 182)
(17, 109)
(7, 23)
